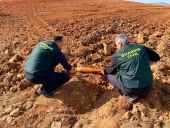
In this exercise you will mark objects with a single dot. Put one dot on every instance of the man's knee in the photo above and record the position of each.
(112, 79)
(61, 77)
(65, 76)
(29, 77)
(36, 79)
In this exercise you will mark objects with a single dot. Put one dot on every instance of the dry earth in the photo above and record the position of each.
(85, 101)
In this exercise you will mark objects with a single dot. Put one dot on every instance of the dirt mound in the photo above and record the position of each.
(89, 27)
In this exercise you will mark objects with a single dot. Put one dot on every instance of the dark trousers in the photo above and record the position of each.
(49, 80)
(131, 92)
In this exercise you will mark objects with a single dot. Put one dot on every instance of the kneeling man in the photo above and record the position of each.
(130, 70)
(39, 66)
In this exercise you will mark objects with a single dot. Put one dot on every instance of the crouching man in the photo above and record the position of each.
(130, 70)
(39, 66)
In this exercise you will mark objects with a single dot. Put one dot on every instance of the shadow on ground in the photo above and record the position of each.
(159, 97)
(83, 96)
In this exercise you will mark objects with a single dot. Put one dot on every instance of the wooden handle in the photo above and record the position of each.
(89, 70)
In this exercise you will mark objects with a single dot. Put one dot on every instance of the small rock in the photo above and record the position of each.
(8, 110)
(3, 118)
(96, 58)
(28, 105)
(152, 42)
(56, 124)
(121, 24)
(127, 115)
(16, 58)
(16, 112)
(111, 29)
(83, 51)
(20, 76)
(140, 38)
(107, 49)
(157, 34)
(146, 31)
(24, 84)
(91, 38)
(161, 118)
(18, 105)
(6, 51)
(9, 119)
(163, 46)
(50, 109)
(138, 107)
(13, 89)
(123, 103)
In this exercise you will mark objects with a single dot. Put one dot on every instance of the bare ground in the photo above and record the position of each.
(84, 102)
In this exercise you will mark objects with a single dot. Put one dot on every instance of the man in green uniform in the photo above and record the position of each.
(130, 70)
(39, 66)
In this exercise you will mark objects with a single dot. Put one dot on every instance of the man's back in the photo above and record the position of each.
(39, 66)
(41, 58)
(44, 57)
(133, 66)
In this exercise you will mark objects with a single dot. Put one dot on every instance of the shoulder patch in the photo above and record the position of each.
(45, 46)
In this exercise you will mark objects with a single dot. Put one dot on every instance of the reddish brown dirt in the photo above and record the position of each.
(83, 102)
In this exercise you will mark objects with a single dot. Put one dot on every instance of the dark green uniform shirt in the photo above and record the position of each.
(132, 66)
(44, 57)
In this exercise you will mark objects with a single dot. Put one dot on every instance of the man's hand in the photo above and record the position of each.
(72, 72)
(102, 72)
